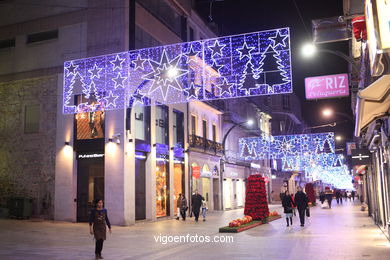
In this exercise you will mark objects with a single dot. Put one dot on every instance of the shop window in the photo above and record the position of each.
(89, 125)
(178, 181)
(31, 118)
(162, 187)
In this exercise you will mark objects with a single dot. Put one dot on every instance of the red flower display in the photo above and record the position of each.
(256, 203)
(310, 192)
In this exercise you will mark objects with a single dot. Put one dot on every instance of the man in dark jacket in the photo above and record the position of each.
(301, 201)
(196, 204)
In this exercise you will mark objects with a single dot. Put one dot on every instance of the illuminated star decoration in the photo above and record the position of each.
(136, 98)
(216, 66)
(138, 63)
(71, 69)
(117, 63)
(165, 74)
(278, 39)
(119, 80)
(192, 91)
(225, 87)
(216, 48)
(110, 99)
(245, 51)
(95, 71)
(191, 54)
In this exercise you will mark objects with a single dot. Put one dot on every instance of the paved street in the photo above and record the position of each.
(340, 233)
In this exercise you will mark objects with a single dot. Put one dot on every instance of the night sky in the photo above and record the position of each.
(234, 17)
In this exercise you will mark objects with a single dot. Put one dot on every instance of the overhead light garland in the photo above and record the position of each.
(243, 65)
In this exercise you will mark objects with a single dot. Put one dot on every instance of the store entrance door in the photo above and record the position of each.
(216, 193)
(90, 185)
(140, 189)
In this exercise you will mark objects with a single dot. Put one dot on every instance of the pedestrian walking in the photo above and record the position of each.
(183, 206)
(178, 203)
(204, 209)
(301, 201)
(196, 202)
(338, 197)
(345, 195)
(329, 196)
(98, 220)
(288, 205)
(322, 197)
(353, 195)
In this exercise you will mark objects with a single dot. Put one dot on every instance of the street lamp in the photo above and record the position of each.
(329, 112)
(309, 50)
(339, 138)
(249, 123)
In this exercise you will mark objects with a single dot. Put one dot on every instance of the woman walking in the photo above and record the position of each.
(98, 220)
(204, 209)
(288, 205)
(183, 206)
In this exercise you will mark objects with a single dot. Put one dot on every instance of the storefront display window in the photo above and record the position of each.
(89, 125)
(162, 125)
(142, 125)
(162, 187)
(178, 181)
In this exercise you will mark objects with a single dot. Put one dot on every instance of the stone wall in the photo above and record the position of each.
(27, 161)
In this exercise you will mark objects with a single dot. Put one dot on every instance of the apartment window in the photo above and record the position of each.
(286, 102)
(144, 39)
(31, 119)
(164, 12)
(191, 36)
(162, 125)
(42, 36)
(7, 43)
(204, 128)
(178, 127)
(193, 125)
(282, 126)
(214, 133)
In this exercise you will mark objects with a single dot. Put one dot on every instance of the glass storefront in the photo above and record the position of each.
(227, 193)
(240, 191)
(178, 181)
(162, 192)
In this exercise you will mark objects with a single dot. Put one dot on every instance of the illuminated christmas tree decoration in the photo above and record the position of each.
(245, 65)
(286, 146)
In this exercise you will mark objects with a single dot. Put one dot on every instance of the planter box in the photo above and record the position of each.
(250, 225)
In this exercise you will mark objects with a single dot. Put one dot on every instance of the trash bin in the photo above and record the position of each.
(20, 207)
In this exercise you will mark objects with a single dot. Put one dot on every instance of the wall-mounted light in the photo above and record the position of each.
(115, 138)
(172, 148)
(154, 145)
(130, 140)
(67, 143)
(186, 150)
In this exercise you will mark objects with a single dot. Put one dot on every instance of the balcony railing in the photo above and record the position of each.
(205, 145)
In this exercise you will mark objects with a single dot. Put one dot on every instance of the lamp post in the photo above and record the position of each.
(309, 50)
(329, 112)
(249, 122)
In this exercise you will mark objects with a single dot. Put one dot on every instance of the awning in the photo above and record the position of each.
(373, 102)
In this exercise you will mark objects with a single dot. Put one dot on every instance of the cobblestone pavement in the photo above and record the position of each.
(343, 232)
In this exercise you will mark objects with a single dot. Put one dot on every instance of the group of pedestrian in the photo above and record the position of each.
(326, 197)
(300, 201)
(198, 205)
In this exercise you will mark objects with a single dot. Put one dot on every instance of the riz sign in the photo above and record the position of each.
(329, 86)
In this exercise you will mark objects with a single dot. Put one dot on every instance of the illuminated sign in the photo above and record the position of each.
(245, 65)
(90, 156)
(329, 86)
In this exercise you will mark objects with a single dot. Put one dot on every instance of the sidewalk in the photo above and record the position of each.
(343, 232)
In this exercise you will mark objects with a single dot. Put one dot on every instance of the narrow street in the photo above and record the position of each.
(344, 232)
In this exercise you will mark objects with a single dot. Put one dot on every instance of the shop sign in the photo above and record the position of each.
(329, 30)
(90, 156)
(196, 172)
(329, 86)
(215, 172)
(383, 14)
(360, 157)
(350, 146)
